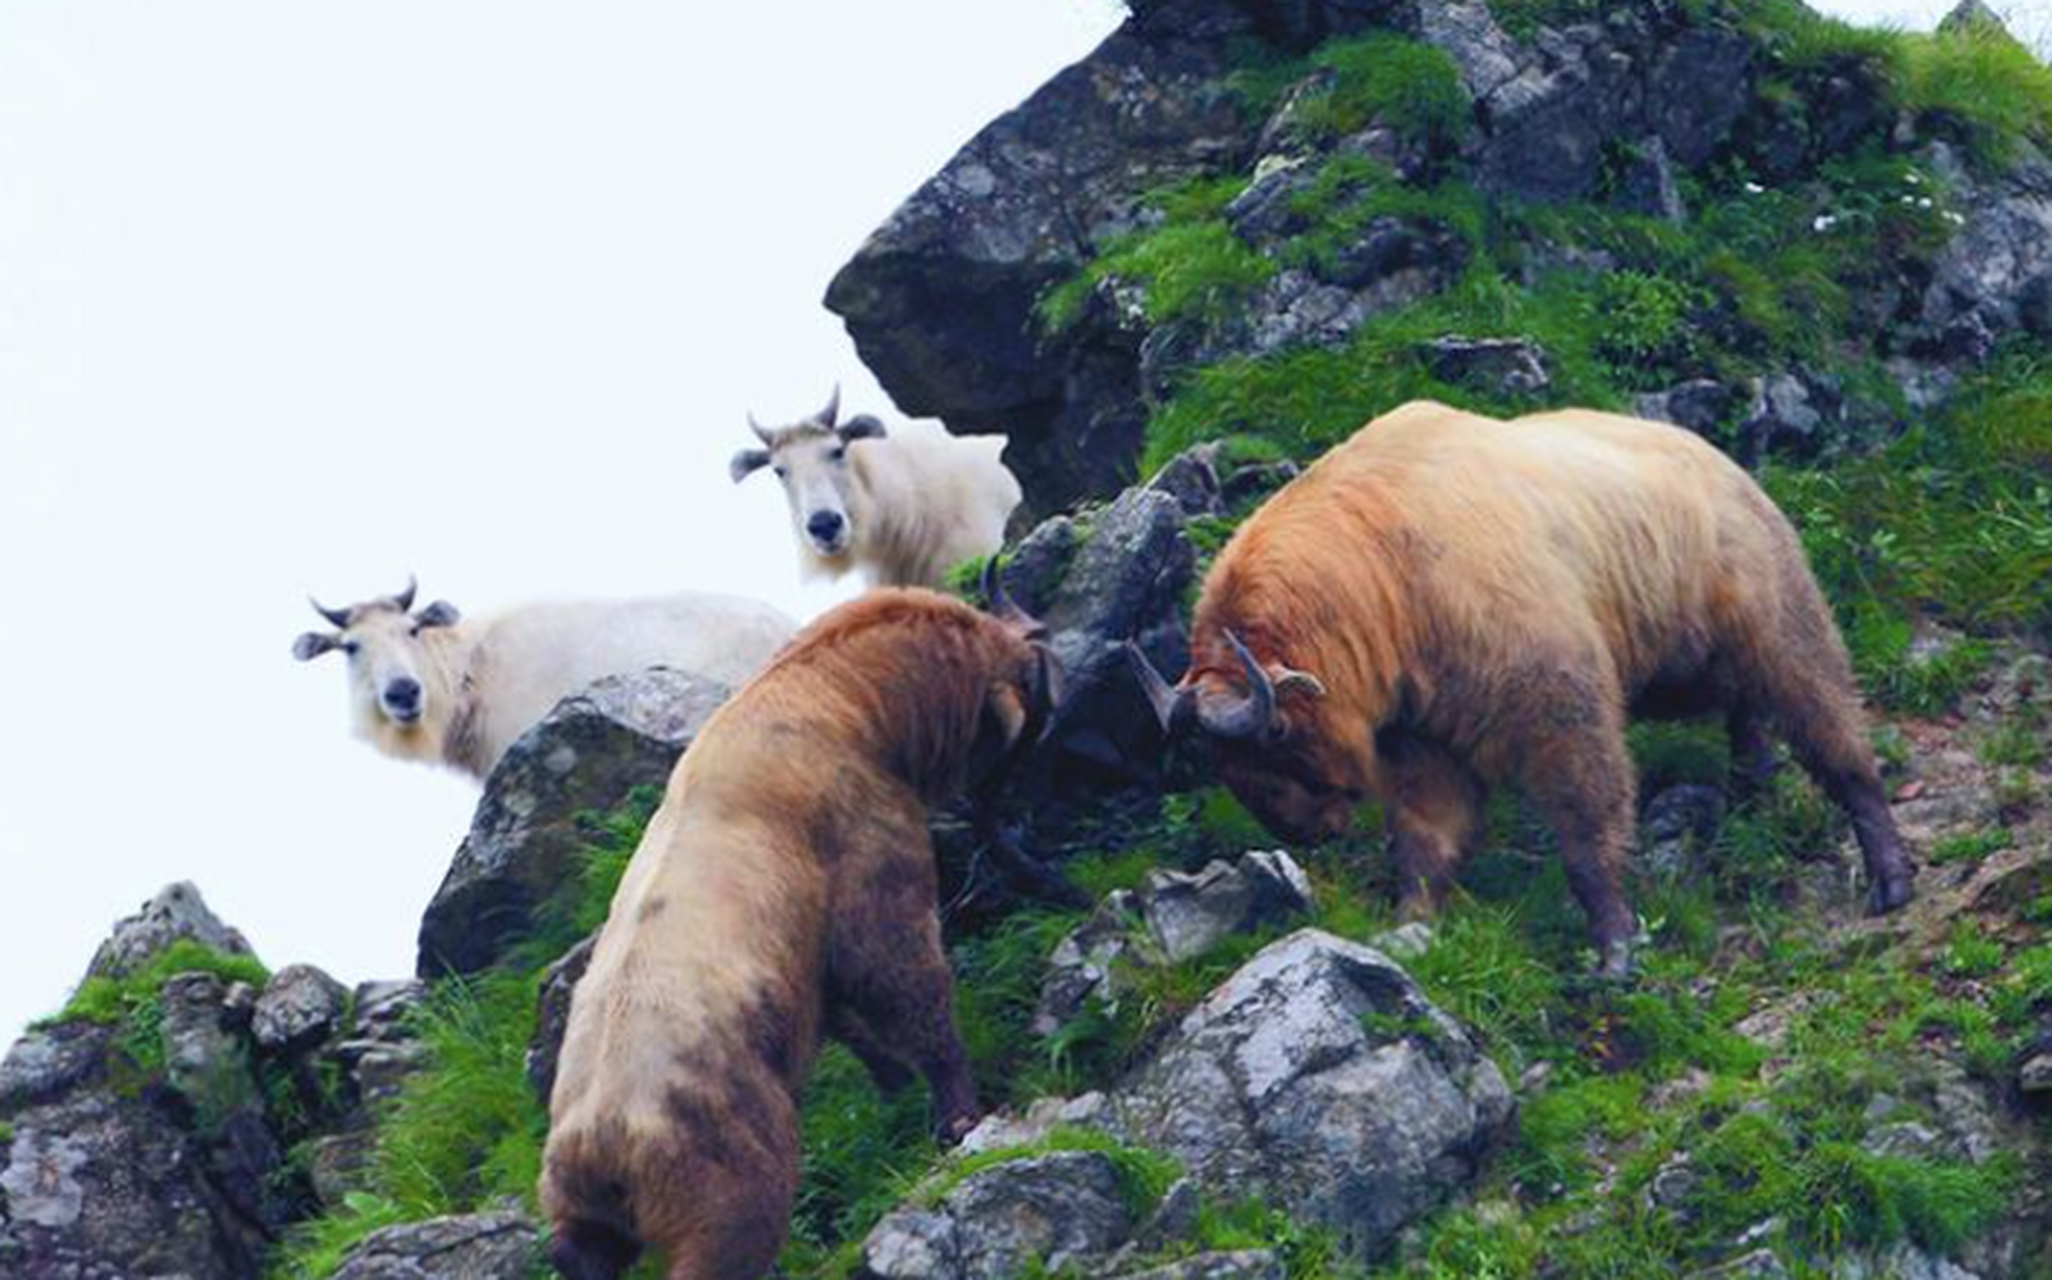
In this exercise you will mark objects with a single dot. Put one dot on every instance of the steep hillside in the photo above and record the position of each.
(1181, 270)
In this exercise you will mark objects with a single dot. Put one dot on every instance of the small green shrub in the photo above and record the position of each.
(1403, 84)
(1970, 846)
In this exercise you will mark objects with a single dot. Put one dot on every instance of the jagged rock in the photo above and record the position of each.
(300, 1007)
(1407, 941)
(1173, 916)
(594, 749)
(177, 913)
(1902, 1262)
(1700, 404)
(1994, 275)
(1647, 184)
(1192, 479)
(1679, 824)
(1507, 366)
(1058, 1210)
(552, 1016)
(205, 1058)
(938, 300)
(1760, 1264)
(102, 1186)
(1320, 1077)
(1124, 581)
(48, 1062)
(1972, 16)
(1247, 1264)
(479, 1246)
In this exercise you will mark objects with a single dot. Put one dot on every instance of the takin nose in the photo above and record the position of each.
(825, 526)
(402, 697)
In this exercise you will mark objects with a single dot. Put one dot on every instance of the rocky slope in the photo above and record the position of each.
(1234, 232)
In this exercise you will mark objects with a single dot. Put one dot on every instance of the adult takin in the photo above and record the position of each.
(1448, 602)
(904, 506)
(430, 685)
(784, 890)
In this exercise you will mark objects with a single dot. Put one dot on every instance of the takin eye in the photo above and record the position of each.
(840, 454)
(350, 648)
(783, 472)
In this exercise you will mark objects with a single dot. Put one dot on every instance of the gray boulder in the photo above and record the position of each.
(480, 1246)
(587, 756)
(1506, 366)
(1321, 1078)
(552, 1016)
(1246, 1264)
(1062, 1209)
(300, 1007)
(1995, 274)
(101, 1186)
(1700, 404)
(1173, 916)
(178, 913)
(50, 1061)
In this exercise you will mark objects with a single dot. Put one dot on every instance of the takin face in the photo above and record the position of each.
(395, 684)
(1288, 772)
(811, 459)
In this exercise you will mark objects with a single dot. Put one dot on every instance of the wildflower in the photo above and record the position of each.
(1824, 222)
(1913, 177)
(1924, 203)
(1754, 189)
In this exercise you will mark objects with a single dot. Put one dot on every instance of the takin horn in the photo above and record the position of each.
(828, 416)
(403, 602)
(999, 604)
(762, 433)
(1171, 705)
(337, 618)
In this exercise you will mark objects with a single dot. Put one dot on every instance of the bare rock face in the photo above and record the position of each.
(1173, 916)
(1320, 1077)
(587, 756)
(481, 1246)
(178, 913)
(300, 1006)
(1062, 1210)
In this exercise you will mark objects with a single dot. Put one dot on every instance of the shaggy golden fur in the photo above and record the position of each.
(1485, 602)
(784, 890)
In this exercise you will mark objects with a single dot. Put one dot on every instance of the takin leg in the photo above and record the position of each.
(885, 964)
(716, 1198)
(1435, 815)
(890, 1071)
(1810, 697)
(1753, 762)
(590, 1251)
(1572, 763)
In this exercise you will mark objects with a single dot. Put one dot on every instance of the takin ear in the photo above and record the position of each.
(313, 644)
(439, 614)
(747, 463)
(1045, 691)
(1288, 678)
(862, 426)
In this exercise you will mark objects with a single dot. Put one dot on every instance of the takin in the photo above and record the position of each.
(1446, 602)
(785, 890)
(433, 686)
(904, 506)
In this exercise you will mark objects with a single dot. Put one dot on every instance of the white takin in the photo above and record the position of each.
(906, 506)
(432, 686)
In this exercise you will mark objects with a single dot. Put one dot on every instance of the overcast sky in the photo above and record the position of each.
(301, 298)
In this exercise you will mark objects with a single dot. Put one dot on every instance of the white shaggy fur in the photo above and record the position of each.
(904, 506)
(480, 684)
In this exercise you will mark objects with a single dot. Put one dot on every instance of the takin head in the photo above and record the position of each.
(811, 459)
(1285, 767)
(394, 683)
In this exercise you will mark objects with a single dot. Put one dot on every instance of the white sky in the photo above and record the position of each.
(302, 297)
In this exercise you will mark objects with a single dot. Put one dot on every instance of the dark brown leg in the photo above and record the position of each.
(885, 963)
(891, 1072)
(1435, 814)
(587, 1251)
(1753, 761)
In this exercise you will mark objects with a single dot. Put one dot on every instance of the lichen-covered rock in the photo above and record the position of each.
(1062, 1209)
(552, 1015)
(1172, 916)
(1246, 1264)
(98, 1187)
(1321, 1078)
(587, 756)
(50, 1061)
(299, 1007)
(1700, 404)
(178, 913)
(479, 1246)
(1510, 366)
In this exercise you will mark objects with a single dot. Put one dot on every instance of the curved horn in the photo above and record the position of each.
(762, 433)
(404, 600)
(832, 412)
(1245, 717)
(998, 603)
(1171, 705)
(337, 618)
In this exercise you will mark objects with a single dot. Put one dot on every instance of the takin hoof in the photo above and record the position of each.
(1891, 893)
(952, 1129)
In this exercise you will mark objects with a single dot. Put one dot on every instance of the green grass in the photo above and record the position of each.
(1381, 78)
(1189, 267)
(1971, 846)
(133, 1005)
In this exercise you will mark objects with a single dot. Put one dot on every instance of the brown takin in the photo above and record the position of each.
(1448, 602)
(785, 890)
